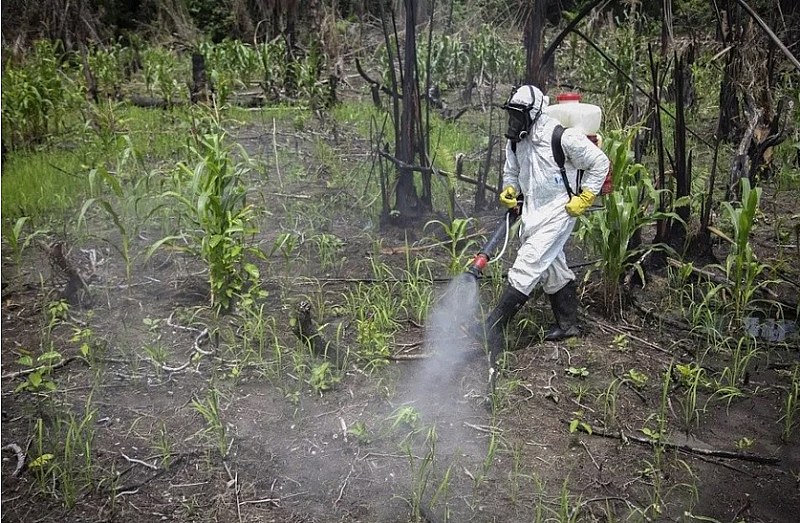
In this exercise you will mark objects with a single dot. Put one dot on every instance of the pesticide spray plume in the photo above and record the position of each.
(452, 319)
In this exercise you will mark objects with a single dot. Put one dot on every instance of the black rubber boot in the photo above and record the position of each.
(565, 309)
(510, 302)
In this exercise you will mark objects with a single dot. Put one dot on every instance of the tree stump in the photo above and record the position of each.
(307, 332)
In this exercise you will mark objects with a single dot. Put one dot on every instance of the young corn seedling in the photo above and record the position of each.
(215, 427)
(457, 244)
(212, 198)
(791, 406)
(18, 241)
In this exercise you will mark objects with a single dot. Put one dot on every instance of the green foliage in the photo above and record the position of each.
(626, 210)
(216, 429)
(741, 265)
(39, 377)
(211, 198)
(37, 97)
(457, 244)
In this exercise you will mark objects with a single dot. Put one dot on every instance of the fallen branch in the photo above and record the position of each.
(25, 372)
(717, 453)
(434, 170)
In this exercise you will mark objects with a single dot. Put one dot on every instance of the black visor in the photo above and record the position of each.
(519, 121)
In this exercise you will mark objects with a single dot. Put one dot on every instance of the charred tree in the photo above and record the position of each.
(535, 73)
(683, 159)
(408, 205)
(199, 91)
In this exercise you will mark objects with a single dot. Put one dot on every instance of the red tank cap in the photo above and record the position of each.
(568, 97)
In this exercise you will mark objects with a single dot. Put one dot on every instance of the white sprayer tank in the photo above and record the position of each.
(570, 112)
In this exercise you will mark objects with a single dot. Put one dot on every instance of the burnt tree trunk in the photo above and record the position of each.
(199, 90)
(730, 121)
(408, 206)
(534, 45)
(307, 332)
(683, 160)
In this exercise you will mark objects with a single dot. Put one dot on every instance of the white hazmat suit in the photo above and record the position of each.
(532, 171)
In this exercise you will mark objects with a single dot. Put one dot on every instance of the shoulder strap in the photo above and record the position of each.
(558, 155)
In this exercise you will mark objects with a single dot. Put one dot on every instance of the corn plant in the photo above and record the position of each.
(161, 73)
(211, 197)
(741, 265)
(36, 97)
(272, 57)
(791, 406)
(106, 64)
(457, 244)
(210, 411)
(18, 241)
(627, 210)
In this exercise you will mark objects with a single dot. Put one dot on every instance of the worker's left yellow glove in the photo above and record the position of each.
(578, 204)
(508, 198)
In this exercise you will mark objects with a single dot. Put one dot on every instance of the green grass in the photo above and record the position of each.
(42, 184)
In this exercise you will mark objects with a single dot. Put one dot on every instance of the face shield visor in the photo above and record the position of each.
(519, 121)
(519, 107)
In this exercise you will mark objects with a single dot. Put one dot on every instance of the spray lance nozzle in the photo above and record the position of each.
(500, 235)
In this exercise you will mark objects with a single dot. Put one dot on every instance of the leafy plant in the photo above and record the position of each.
(457, 244)
(626, 211)
(40, 378)
(212, 198)
(322, 377)
(577, 423)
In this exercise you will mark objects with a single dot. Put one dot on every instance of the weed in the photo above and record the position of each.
(636, 378)
(577, 372)
(406, 415)
(457, 244)
(209, 409)
(791, 405)
(322, 377)
(360, 431)
(40, 379)
(329, 248)
(577, 423)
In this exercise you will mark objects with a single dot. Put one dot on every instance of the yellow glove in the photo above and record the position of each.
(578, 204)
(508, 198)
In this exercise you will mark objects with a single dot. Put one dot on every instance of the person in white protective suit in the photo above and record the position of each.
(548, 213)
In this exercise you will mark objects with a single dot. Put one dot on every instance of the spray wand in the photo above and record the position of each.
(500, 234)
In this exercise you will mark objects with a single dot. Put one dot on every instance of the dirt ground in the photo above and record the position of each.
(294, 455)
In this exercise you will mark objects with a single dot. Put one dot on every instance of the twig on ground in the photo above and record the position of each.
(586, 448)
(25, 372)
(139, 462)
(744, 456)
(20, 457)
(344, 485)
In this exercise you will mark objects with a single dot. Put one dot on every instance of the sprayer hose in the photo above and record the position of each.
(505, 241)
